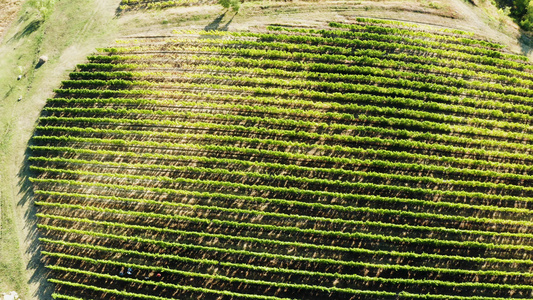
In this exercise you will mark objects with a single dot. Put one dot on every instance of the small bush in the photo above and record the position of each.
(234, 4)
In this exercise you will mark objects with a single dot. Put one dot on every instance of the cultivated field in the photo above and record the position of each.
(159, 4)
(363, 160)
(128, 5)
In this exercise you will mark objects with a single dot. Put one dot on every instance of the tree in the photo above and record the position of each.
(527, 20)
(234, 4)
(520, 8)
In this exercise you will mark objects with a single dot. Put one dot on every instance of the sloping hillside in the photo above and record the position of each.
(365, 160)
(68, 31)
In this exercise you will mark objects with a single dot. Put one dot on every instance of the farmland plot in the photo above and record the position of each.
(371, 160)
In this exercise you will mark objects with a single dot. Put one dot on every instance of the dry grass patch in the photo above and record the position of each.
(7, 14)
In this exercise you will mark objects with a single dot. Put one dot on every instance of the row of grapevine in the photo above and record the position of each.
(372, 160)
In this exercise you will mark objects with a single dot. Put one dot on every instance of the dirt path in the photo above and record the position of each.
(491, 26)
(456, 14)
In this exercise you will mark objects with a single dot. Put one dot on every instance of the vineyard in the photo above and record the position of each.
(159, 4)
(132, 5)
(365, 160)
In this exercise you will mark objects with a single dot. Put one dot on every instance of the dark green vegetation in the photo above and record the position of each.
(520, 10)
(377, 160)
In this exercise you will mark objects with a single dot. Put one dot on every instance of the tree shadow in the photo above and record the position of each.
(9, 91)
(35, 264)
(119, 11)
(526, 43)
(29, 29)
(226, 26)
(215, 23)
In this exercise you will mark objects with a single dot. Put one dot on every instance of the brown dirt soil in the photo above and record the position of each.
(484, 20)
(7, 14)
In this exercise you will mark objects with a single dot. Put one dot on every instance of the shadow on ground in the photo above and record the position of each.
(35, 264)
(29, 29)
(526, 43)
(216, 23)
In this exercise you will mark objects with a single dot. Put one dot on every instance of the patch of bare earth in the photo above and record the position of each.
(484, 20)
(8, 11)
